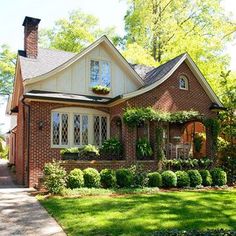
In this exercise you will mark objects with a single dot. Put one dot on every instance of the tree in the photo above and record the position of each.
(7, 69)
(228, 97)
(75, 33)
(167, 28)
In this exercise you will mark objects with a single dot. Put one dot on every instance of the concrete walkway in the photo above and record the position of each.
(21, 213)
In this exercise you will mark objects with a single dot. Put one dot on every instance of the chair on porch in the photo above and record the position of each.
(182, 150)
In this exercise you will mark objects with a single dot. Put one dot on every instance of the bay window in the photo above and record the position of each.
(77, 127)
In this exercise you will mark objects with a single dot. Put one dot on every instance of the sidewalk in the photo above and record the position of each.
(20, 213)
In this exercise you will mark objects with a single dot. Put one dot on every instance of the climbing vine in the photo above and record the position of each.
(159, 141)
(136, 116)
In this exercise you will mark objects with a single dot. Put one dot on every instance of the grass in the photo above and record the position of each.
(142, 214)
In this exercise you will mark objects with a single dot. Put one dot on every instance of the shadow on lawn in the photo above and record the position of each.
(139, 214)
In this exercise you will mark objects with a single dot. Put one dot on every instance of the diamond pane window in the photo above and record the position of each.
(84, 129)
(105, 74)
(96, 130)
(56, 128)
(103, 128)
(94, 72)
(64, 129)
(76, 129)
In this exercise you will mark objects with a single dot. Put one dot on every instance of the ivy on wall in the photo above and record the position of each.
(136, 116)
(159, 142)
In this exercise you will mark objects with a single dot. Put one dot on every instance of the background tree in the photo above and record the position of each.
(7, 69)
(75, 33)
(167, 28)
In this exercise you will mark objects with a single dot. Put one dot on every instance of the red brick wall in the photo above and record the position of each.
(167, 97)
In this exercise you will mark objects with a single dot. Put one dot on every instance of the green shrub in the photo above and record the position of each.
(88, 149)
(183, 179)
(124, 178)
(140, 179)
(229, 166)
(108, 178)
(219, 177)
(206, 177)
(75, 179)
(112, 147)
(195, 178)
(69, 150)
(91, 178)
(54, 177)
(154, 179)
(169, 179)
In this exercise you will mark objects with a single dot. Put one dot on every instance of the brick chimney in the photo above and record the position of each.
(31, 36)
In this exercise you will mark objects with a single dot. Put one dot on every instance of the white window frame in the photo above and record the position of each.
(183, 77)
(79, 111)
(100, 71)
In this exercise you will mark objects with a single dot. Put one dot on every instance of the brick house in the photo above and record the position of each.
(56, 108)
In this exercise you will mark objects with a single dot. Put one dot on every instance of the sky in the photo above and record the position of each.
(109, 13)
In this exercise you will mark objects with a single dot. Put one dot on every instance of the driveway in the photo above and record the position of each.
(21, 213)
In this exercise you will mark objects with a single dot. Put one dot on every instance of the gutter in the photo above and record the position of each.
(28, 139)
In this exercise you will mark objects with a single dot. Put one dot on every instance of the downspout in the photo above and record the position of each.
(28, 140)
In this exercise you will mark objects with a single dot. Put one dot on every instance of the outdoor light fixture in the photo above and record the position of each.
(40, 125)
(216, 108)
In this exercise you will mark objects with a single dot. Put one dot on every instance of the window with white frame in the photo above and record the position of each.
(100, 73)
(183, 82)
(78, 127)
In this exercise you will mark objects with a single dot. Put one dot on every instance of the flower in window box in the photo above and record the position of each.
(99, 89)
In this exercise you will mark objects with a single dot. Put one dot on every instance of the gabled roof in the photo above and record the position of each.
(51, 65)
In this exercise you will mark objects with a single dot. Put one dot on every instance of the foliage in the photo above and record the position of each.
(75, 179)
(91, 178)
(7, 69)
(195, 178)
(140, 179)
(108, 178)
(4, 150)
(143, 148)
(219, 177)
(154, 179)
(75, 33)
(165, 29)
(183, 179)
(160, 144)
(69, 150)
(124, 178)
(142, 214)
(198, 141)
(101, 89)
(229, 165)
(112, 147)
(206, 177)
(54, 177)
(186, 164)
(134, 116)
(169, 179)
(88, 149)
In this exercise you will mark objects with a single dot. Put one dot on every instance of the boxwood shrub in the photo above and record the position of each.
(169, 179)
(91, 178)
(206, 177)
(195, 178)
(124, 178)
(219, 177)
(108, 178)
(154, 179)
(75, 179)
(183, 179)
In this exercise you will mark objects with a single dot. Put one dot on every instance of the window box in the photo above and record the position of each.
(69, 156)
(101, 90)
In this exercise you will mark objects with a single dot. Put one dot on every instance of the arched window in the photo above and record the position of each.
(183, 82)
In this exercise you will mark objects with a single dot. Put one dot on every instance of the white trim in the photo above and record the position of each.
(71, 111)
(81, 54)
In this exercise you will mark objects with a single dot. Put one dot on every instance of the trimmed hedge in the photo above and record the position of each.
(219, 177)
(206, 177)
(124, 178)
(75, 179)
(183, 179)
(154, 179)
(195, 178)
(91, 178)
(108, 178)
(169, 179)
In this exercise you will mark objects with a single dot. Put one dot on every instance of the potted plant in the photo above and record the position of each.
(89, 152)
(101, 90)
(143, 149)
(69, 153)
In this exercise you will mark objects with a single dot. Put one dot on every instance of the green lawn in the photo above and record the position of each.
(144, 214)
